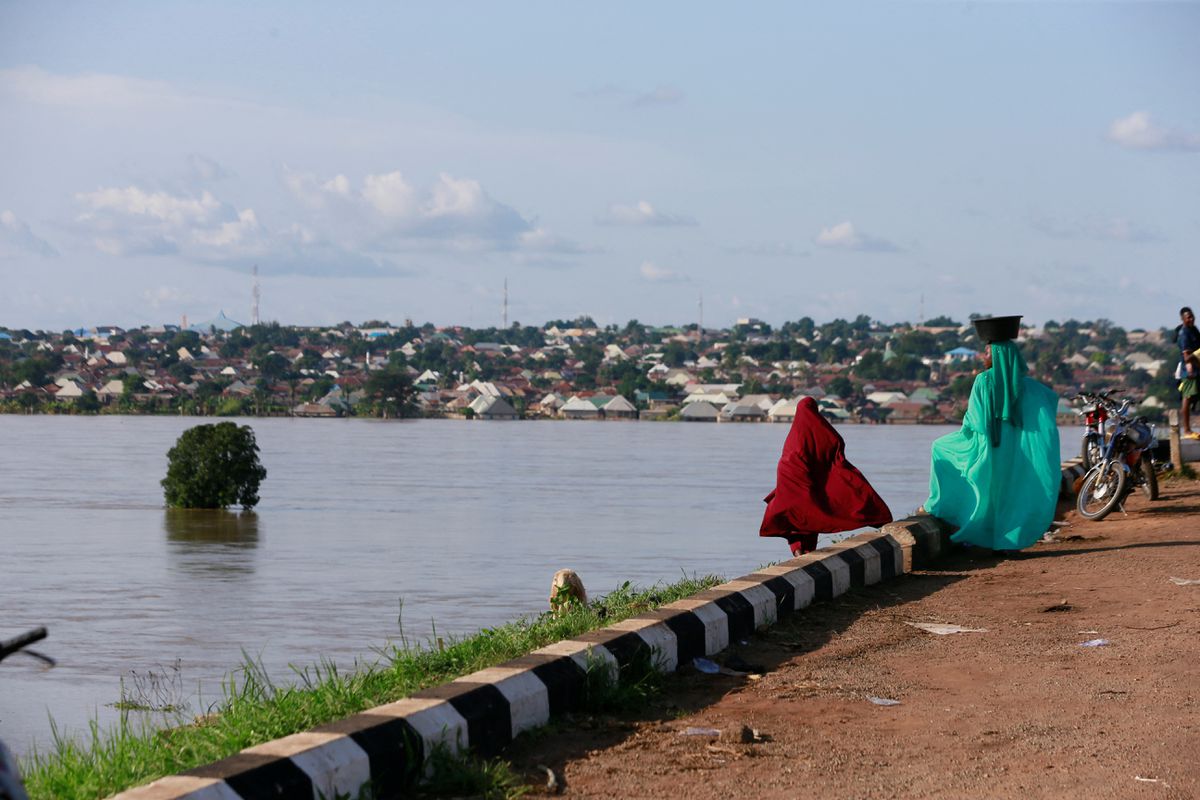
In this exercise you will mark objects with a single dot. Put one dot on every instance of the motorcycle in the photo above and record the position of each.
(10, 777)
(1095, 415)
(1126, 462)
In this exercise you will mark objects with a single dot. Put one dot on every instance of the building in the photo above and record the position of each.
(619, 408)
(699, 412)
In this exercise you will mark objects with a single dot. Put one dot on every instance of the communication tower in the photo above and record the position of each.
(256, 294)
(506, 303)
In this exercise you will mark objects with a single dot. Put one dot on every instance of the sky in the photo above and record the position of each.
(621, 160)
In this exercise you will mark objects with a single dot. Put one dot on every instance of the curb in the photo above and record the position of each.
(1072, 471)
(484, 711)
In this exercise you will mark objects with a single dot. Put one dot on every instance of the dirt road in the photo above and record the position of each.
(1021, 709)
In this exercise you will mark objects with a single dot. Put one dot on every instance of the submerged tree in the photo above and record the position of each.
(214, 466)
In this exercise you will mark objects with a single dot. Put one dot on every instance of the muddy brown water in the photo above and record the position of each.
(465, 522)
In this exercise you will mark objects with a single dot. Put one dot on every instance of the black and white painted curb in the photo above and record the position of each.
(484, 711)
(388, 745)
(1071, 471)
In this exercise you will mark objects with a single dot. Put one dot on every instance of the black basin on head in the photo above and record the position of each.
(998, 329)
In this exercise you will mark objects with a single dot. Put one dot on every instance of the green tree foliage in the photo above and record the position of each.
(214, 466)
(840, 387)
(392, 392)
(188, 339)
(941, 322)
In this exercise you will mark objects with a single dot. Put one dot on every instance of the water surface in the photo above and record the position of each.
(464, 521)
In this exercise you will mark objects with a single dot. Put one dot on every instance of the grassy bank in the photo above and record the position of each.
(255, 710)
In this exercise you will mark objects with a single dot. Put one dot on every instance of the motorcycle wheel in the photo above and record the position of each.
(1102, 490)
(1149, 478)
(1091, 451)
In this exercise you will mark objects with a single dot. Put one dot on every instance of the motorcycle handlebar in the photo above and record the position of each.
(17, 643)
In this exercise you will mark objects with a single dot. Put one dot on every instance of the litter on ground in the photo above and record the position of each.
(1186, 581)
(1094, 643)
(942, 629)
(884, 701)
(701, 732)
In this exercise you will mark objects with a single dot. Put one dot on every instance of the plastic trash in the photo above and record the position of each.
(1186, 581)
(553, 784)
(884, 701)
(713, 668)
(1094, 643)
(701, 732)
(942, 629)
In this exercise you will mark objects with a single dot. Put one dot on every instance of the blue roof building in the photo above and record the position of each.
(219, 323)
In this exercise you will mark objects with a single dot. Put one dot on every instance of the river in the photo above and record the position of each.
(464, 523)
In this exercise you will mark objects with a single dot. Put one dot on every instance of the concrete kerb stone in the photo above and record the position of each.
(486, 710)
(1072, 471)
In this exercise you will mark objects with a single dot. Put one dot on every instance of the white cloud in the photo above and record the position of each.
(17, 239)
(642, 213)
(131, 221)
(539, 240)
(315, 193)
(388, 213)
(843, 236)
(457, 197)
(1138, 132)
(389, 194)
(652, 272)
(346, 230)
(160, 206)
(234, 232)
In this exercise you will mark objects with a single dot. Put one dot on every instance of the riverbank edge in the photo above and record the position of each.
(486, 710)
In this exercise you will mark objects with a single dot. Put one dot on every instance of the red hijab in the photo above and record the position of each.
(817, 490)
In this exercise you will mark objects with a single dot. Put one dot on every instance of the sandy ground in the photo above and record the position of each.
(1019, 710)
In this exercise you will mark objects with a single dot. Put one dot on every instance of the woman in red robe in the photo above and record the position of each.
(817, 490)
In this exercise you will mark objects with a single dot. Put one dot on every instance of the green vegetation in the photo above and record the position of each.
(254, 709)
(214, 466)
(488, 779)
(391, 391)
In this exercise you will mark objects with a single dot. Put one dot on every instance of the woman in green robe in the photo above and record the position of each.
(998, 478)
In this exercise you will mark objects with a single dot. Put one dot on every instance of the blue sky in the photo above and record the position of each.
(401, 160)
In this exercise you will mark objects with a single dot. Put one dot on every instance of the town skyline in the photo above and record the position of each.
(787, 161)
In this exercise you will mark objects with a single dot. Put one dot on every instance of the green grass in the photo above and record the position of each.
(255, 710)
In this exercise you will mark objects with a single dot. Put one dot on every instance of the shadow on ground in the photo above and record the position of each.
(571, 737)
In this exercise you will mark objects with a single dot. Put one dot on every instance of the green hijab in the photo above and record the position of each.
(1008, 371)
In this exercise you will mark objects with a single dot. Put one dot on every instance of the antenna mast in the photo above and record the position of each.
(506, 303)
(700, 327)
(256, 294)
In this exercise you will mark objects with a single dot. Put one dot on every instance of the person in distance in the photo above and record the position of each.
(1188, 371)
